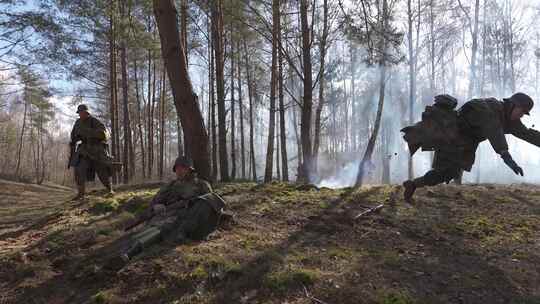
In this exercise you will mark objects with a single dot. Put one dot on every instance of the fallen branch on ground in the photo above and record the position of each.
(312, 298)
(369, 211)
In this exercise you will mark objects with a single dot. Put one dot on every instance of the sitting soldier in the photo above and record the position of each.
(186, 208)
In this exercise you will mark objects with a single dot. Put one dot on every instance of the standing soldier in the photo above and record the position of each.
(89, 152)
(454, 136)
(186, 208)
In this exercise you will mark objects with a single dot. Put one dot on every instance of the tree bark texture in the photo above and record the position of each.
(217, 35)
(307, 104)
(273, 78)
(186, 101)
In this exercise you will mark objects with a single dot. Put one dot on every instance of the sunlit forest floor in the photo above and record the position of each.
(288, 244)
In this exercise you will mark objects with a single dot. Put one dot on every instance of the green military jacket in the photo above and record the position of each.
(186, 188)
(481, 119)
(93, 135)
(181, 189)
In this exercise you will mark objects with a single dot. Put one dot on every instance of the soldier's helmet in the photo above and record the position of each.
(183, 161)
(521, 100)
(81, 108)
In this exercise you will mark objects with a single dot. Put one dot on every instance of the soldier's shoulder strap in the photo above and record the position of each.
(214, 200)
(95, 123)
(203, 184)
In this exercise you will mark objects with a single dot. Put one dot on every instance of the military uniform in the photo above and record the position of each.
(456, 142)
(93, 155)
(194, 220)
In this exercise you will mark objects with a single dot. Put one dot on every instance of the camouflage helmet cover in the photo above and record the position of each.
(183, 161)
(521, 100)
(81, 108)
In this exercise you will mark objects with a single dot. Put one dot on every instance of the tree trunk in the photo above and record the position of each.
(318, 111)
(354, 105)
(233, 140)
(183, 28)
(251, 129)
(126, 119)
(412, 78)
(474, 51)
(278, 172)
(241, 108)
(385, 145)
(484, 51)
(162, 110)
(151, 108)
(21, 138)
(112, 84)
(186, 101)
(180, 145)
(212, 102)
(510, 47)
(217, 35)
(139, 119)
(432, 49)
(41, 176)
(273, 78)
(366, 159)
(282, 121)
(305, 128)
(295, 122)
(183, 150)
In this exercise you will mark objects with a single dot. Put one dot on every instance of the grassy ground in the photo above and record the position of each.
(467, 244)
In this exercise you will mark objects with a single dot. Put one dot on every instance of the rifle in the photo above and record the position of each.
(74, 157)
(149, 213)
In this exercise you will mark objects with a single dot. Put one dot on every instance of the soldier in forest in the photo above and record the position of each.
(184, 209)
(89, 152)
(455, 135)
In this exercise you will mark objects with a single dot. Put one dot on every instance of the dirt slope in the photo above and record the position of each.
(23, 207)
(468, 244)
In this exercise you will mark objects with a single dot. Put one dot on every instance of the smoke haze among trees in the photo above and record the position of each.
(287, 90)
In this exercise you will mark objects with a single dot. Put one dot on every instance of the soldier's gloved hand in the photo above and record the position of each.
(159, 209)
(507, 158)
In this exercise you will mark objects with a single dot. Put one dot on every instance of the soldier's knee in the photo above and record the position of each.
(450, 174)
(438, 176)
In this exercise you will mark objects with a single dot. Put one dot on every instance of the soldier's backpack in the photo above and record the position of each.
(438, 127)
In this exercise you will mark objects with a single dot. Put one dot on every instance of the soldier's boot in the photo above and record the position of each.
(132, 251)
(81, 192)
(410, 187)
(118, 262)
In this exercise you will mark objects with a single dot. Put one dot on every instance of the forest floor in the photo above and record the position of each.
(289, 244)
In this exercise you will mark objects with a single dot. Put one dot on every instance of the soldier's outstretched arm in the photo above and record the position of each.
(491, 128)
(497, 140)
(529, 135)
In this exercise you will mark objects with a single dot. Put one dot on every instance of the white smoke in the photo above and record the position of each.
(345, 177)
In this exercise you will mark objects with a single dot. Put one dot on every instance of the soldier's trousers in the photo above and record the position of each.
(195, 223)
(102, 171)
(437, 176)
(448, 164)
